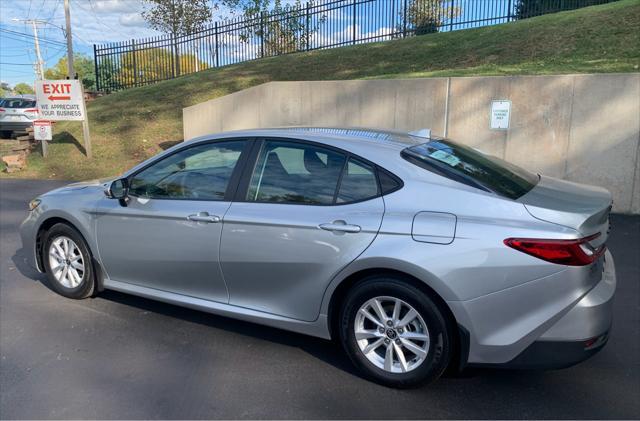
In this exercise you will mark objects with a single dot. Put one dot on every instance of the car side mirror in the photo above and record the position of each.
(118, 189)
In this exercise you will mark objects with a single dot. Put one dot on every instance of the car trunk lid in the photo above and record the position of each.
(583, 208)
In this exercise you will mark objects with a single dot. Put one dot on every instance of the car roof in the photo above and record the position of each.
(344, 136)
(379, 146)
(25, 96)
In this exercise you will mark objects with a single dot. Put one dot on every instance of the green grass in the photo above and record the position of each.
(131, 125)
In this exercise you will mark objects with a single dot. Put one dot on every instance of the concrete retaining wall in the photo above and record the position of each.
(584, 128)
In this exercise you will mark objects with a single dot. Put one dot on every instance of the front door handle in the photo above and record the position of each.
(203, 217)
(340, 226)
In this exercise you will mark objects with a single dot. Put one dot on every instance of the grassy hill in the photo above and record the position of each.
(131, 125)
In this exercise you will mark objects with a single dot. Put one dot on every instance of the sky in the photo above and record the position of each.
(92, 22)
(105, 21)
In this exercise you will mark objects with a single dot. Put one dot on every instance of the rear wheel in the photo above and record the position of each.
(394, 333)
(67, 262)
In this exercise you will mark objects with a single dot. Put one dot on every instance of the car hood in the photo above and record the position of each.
(96, 184)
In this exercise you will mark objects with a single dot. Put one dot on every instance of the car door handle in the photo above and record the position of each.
(340, 226)
(203, 217)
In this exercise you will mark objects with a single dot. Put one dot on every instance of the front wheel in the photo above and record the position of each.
(67, 262)
(394, 333)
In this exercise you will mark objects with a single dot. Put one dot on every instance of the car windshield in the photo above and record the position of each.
(17, 103)
(472, 167)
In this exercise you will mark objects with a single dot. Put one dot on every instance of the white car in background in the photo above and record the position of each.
(17, 114)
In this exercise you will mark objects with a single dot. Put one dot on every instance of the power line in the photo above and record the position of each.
(55, 53)
(95, 16)
(22, 34)
(25, 40)
(40, 10)
(39, 65)
(29, 11)
(55, 9)
(18, 72)
(15, 64)
(14, 55)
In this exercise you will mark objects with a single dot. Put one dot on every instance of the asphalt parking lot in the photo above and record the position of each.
(117, 356)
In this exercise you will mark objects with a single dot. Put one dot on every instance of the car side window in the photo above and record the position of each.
(201, 172)
(288, 172)
(358, 182)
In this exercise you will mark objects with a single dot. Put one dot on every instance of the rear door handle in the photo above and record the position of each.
(340, 226)
(204, 217)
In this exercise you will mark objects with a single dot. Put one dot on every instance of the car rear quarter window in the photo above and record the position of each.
(388, 183)
(358, 182)
(472, 167)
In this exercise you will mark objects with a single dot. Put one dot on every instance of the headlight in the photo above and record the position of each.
(34, 204)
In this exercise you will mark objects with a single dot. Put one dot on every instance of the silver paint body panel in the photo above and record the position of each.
(273, 264)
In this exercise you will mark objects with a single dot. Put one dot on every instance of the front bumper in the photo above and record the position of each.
(28, 235)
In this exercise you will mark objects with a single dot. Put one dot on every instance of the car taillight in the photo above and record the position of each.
(31, 110)
(564, 252)
(2, 110)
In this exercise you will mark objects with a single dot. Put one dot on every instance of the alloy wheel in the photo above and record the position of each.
(66, 262)
(391, 334)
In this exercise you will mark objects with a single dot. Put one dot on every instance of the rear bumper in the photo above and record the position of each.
(557, 354)
(546, 336)
(580, 333)
(18, 125)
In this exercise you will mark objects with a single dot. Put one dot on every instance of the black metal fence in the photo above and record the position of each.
(316, 25)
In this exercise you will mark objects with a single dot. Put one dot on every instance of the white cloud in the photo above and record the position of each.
(132, 19)
(117, 6)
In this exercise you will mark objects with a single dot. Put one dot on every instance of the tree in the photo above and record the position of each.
(23, 88)
(152, 64)
(530, 8)
(82, 64)
(108, 70)
(5, 89)
(281, 29)
(427, 16)
(178, 17)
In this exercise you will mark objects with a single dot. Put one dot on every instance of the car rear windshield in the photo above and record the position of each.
(472, 167)
(17, 103)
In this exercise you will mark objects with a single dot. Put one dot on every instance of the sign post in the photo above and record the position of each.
(63, 100)
(42, 132)
(85, 125)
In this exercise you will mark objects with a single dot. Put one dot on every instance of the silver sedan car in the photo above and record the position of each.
(17, 114)
(417, 254)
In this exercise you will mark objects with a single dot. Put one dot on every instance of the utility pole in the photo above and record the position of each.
(39, 65)
(67, 18)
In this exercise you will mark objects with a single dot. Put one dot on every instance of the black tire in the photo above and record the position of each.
(438, 353)
(87, 284)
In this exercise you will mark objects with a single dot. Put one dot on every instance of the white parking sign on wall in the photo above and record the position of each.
(500, 114)
(60, 100)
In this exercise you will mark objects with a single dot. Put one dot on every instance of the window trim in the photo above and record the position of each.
(233, 180)
(240, 195)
